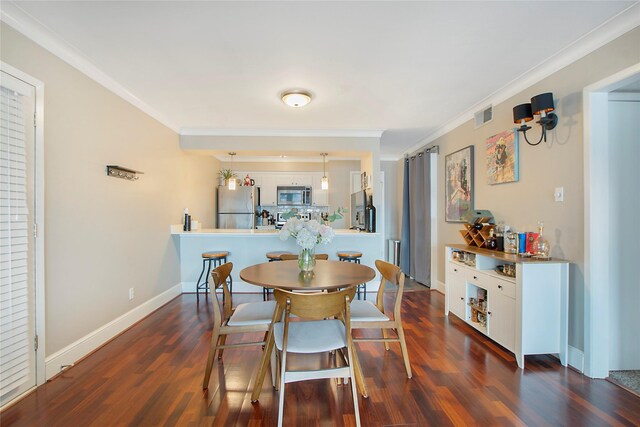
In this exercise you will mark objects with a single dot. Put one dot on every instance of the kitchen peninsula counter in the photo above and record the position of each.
(249, 247)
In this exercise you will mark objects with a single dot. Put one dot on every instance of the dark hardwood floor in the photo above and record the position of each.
(151, 376)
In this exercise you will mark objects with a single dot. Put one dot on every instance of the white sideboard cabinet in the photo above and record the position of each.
(526, 314)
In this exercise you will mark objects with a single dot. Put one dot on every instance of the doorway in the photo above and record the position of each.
(612, 201)
(21, 246)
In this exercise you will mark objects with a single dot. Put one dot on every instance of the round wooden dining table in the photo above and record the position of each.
(286, 275)
(327, 275)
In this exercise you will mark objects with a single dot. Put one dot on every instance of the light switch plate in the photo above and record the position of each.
(558, 194)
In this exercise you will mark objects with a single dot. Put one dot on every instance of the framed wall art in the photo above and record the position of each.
(502, 157)
(458, 190)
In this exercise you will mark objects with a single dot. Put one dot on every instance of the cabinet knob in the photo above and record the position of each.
(455, 269)
(475, 277)
(499, 286)
(461, 298)
(489, 313)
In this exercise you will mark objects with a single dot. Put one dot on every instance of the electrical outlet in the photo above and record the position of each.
(132, 293)
(558, 194)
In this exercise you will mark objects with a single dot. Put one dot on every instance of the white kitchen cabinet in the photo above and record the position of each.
(286, 179)
(527, 314)
(268, 190)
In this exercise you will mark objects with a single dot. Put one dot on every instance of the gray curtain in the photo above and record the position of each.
(415, 252)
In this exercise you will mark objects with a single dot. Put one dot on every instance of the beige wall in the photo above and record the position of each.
(104, 235)
(558, 163)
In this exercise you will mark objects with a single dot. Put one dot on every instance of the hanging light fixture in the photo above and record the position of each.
(232, 181)
(324, 184)
(296, 98)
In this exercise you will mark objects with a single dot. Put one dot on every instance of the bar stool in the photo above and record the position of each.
(272, 256)
(353, 256)
(217, 258)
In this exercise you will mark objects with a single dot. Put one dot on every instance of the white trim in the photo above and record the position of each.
(624, 96)
(596, 213)
(618, 25)
(437, 285)
(39, 216)
(576, 358)
(85, 345)
(337, 133)
(12, 15)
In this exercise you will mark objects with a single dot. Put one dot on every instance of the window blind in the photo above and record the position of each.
(16, 346)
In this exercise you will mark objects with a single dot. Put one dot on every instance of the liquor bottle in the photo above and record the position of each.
(370, 216)
(492, 241)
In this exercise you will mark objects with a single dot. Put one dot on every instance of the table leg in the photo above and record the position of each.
(266, 356)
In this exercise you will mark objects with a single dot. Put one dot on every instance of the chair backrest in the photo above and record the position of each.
(291, 257)
(393, 274)
(315, 306)
(220, 275)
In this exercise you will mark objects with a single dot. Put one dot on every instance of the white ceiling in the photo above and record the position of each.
(403, 68)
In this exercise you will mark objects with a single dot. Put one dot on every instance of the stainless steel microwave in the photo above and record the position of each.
(294, 196)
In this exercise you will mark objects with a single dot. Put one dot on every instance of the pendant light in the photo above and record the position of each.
(232, 181)
(324, 184)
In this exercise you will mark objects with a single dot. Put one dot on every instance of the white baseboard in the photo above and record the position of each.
(85, 345)
(576, 358)
(437, 285)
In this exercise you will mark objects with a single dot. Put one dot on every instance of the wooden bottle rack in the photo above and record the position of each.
(476, 237)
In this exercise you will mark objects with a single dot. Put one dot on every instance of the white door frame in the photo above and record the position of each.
(596, 213)
(38, 218)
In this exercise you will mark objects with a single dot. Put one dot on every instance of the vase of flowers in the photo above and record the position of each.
(308, 234)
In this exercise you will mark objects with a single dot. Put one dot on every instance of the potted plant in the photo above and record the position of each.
(225, 175)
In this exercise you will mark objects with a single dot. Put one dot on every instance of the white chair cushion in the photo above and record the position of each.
(311, 337)
(366, 311)
(252, 313)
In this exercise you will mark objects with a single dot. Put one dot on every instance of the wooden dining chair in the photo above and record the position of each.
(314, 332)
(292, 257)
(366, 315)
(245, 318)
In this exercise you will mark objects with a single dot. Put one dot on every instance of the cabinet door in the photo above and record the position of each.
(502, 315)
(319, 197)
(456, 290)
(306, 180)
(268, 190)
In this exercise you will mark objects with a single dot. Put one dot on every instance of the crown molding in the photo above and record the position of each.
(608, 31)
(282, 133)
(12, 15)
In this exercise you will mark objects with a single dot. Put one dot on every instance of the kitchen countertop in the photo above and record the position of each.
(177, 230)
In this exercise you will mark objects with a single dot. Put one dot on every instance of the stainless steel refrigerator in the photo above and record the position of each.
(237, 208)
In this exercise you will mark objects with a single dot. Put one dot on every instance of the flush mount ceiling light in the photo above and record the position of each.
(296, 98)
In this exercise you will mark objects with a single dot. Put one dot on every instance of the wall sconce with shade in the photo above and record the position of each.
(324, 184)
(541, 105)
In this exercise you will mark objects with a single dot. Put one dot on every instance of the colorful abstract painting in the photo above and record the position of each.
(458, 184)
(502, 157)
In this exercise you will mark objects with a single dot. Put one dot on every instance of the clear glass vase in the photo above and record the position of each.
(307, 259)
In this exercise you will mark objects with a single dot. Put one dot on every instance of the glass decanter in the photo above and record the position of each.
(541, 247)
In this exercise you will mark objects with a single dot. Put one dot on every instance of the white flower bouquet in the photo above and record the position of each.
(308, 234)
